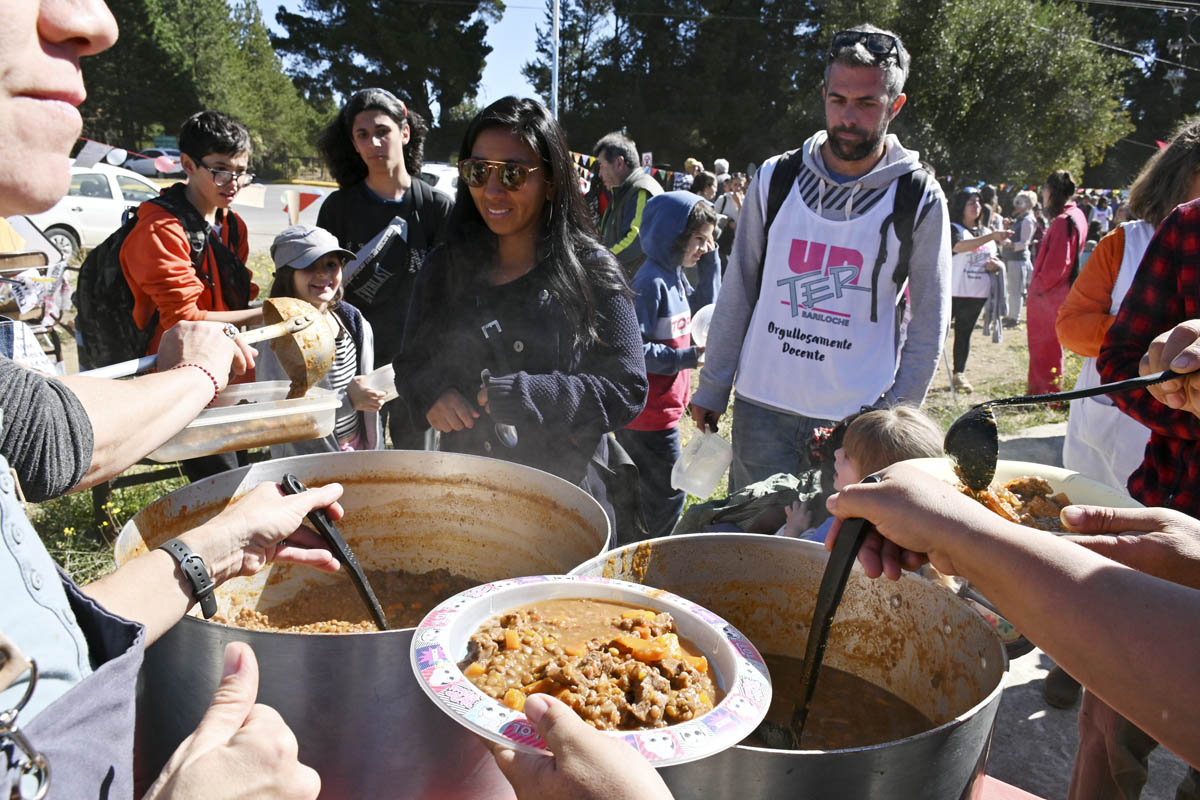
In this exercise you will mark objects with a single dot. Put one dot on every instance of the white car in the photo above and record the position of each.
(144, 163)
(93, 207)
(442, 177)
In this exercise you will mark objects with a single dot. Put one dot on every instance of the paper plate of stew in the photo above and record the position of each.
(672, 679)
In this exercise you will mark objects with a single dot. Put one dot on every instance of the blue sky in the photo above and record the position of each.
(512, 41)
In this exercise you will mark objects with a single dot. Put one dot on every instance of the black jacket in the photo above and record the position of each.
(562, 399)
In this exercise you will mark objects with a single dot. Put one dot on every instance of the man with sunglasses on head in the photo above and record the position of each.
(812, 318)
(620, 170)
(185, 259)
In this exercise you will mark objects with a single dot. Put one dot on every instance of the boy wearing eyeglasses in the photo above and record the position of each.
(845, 303)
(185, 259)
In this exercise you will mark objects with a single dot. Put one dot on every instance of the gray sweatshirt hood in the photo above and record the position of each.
(896, 161)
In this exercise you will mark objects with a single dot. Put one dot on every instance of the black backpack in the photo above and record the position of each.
(910, 188)
(104, 324)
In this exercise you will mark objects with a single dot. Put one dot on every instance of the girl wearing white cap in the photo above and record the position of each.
(308, 266)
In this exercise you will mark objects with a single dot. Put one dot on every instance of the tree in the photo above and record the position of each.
(692, 77)
(581, 28)
(264, 98)
(141, 84)
(1001, 89)
(425, 53)
(188, 55)
(1155, 106)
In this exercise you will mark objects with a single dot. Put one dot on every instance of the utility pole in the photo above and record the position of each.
(554, 67)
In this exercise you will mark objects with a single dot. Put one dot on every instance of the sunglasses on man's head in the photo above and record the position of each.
(880, 45)
(476, 171)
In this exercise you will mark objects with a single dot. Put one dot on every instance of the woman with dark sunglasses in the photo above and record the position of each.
(385, 214)
(523, 344)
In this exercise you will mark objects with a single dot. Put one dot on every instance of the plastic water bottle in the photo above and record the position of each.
(701, 464)
(700, 323)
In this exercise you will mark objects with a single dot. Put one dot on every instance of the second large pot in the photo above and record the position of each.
(360, 717)
(910, 637)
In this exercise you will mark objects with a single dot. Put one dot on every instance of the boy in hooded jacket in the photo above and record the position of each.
(677, 232)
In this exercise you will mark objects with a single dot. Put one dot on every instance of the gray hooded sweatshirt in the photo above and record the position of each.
(928, 281)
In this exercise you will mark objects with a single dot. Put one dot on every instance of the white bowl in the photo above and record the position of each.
(737, 668)
(1080, 489)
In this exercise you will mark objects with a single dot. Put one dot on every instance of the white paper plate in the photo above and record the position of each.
(440, 642)
(1080, 489)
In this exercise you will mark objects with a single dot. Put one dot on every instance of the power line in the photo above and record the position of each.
(1125, 50)
(1161, 5)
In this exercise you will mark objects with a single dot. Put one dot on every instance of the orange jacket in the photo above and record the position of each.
(157, 262)
(1083, 318)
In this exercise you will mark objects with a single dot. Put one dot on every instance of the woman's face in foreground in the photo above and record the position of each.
(508, 212)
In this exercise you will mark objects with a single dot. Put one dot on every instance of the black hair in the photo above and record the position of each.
(958, 204)
(577, 268)
(703, 181)
(702, 214)
(1062, 188)
(336, 142)
(213, 132)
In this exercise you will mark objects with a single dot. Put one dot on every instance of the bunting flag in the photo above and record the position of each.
(590, 163)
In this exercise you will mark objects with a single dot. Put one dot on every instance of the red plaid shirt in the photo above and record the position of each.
(1165, 292)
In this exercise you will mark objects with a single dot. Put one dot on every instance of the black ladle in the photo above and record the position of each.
(974, 444)
(333, 538)
(829, 594)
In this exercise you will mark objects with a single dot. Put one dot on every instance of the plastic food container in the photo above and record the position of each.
(440, 643)
(384, 380)
(703, 461)
(253, 415)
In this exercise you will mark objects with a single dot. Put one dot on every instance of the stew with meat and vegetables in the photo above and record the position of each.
(618, 666)
(1026, 500)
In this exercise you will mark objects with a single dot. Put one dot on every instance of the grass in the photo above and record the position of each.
(83, 548)
(1008, 361)
(941, 406)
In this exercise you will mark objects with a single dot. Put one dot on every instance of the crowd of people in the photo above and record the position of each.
(522, 325)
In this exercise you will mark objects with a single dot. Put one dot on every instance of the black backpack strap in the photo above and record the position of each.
(787, 169)
(910, 188)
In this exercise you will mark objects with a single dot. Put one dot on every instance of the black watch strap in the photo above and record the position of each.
(196, 573)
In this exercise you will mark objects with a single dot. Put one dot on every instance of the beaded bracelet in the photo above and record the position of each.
(211, 377)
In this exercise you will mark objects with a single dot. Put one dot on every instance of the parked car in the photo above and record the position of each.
(442, 177)
(143, 163)
(93, 207)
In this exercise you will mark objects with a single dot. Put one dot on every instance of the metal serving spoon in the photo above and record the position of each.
(333, 538)
(974, 444)
(829, 594)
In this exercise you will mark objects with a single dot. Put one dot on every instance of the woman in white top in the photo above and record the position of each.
(975, 255)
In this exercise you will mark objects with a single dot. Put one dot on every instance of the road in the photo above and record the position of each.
(264, 223)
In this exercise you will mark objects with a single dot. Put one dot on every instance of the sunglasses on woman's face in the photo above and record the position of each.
(477, 171)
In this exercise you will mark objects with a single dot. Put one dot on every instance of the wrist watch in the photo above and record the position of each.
(196, 573)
